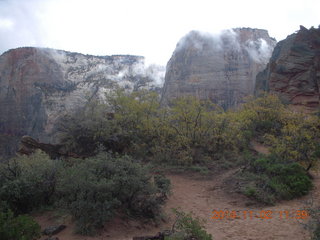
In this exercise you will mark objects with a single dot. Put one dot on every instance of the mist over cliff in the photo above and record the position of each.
(38, 86)
(220, 67)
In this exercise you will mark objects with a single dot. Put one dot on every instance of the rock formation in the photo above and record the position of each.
(221, 68)
(294, 69)
(29, 146)
(37, 86)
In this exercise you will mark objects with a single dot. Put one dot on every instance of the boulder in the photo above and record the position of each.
(52, 230)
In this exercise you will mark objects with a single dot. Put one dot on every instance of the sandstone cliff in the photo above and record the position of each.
(37, 86)
(221, 68)
(294, 69)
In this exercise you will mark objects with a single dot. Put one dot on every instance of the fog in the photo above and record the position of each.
(141, 27)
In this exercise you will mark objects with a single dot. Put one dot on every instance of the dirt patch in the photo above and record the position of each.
(193, 193)
(260, 148)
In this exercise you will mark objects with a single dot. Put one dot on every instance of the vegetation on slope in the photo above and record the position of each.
(117, 138)
(196, 133)
(91, 189)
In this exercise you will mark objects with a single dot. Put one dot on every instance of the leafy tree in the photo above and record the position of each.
(136, 120)
(262, 115)
(299, 141)
(83, 132)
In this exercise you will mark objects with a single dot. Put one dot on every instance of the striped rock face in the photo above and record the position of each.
(294, 70)
(220, 67)
(37, 86)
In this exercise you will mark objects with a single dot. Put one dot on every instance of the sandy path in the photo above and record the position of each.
(202, 196)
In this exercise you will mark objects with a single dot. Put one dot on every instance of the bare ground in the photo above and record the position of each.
(201, 195)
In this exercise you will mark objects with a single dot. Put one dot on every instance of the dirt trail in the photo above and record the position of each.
(205, 196)
(202, 196)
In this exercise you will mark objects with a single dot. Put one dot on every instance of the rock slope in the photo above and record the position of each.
(38, 85)
(221, 67)
(294, 69)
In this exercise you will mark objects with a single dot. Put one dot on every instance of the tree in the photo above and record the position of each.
(299, 141)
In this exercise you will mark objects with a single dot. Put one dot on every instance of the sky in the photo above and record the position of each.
(149, 28)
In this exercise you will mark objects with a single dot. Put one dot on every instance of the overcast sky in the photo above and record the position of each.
(150, 28)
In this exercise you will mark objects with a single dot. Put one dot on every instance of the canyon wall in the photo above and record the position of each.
(220, 67)
(293, 71)
(38, 86)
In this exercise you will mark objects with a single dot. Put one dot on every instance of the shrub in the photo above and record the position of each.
(21, 227)
(27, 182)
(85, 130)
(270, 180)
(263, 115)
(92, 189)
(187, 132)
(95, 188)
(250, 192)
(186, 227)
(299, 141)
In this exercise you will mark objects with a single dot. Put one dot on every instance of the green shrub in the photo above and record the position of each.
(28, 182)
(298, 141)
(92, 189)
(85, 130)
(186, 227)
(250, 192)
(263, 115)
(187, 132)
(270, 180)
(95, 188)
(21, 227)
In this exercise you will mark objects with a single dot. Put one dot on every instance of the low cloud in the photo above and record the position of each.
(6, 24)
(258, 49)
(20, 24)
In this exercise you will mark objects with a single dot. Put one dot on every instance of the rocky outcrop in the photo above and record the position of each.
(221, 68)
(294, 69)
(38, 86)
(29, 146)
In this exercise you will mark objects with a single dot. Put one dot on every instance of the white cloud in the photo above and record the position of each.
(6, 23)
(260, 50)
(141, 27)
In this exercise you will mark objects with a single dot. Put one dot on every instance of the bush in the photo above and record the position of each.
(187, 132)
(28, 182)
(95, 188)
(186, 227)
(263, 115)
(299, 141)
(92, 189)
(85, 130)
(270, 180)
(21, 227)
